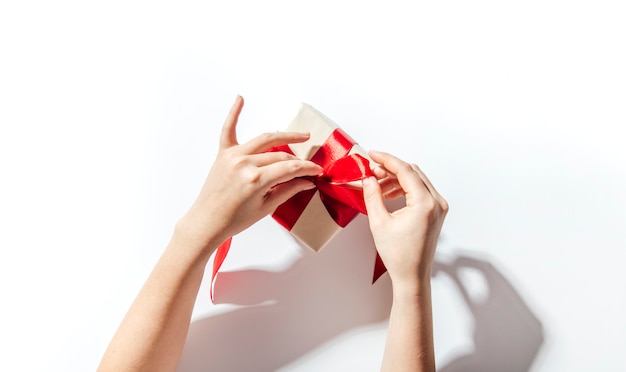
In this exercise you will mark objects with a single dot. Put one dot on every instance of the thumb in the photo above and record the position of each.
(373, 197)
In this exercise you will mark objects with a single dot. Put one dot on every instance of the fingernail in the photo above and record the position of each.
(368, 180)
(308, 186)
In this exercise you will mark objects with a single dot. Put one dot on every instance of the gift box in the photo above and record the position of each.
(315, 216)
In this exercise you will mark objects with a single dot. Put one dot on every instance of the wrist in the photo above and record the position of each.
(410, 291)
(199, 243)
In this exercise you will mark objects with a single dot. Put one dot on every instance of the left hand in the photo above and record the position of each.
(245, 183)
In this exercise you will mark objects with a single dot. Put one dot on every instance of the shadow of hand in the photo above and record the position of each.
(320, 296)
(507, 335)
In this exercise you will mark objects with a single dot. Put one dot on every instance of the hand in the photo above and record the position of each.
(406, 238)
(245, 183)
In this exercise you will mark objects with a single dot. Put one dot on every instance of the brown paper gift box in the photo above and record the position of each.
(315, 228)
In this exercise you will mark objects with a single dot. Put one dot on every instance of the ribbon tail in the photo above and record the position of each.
(220, 256)
(379, 268)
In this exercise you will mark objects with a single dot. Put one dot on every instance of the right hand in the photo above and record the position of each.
(406, 238)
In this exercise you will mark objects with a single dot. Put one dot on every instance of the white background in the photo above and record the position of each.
(109, 117)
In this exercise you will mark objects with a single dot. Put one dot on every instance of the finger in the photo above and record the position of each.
(380, 172)
(409, 180)
(386, 180)
(388, 183)
(282, 192)
(427, 182)
(287, 170)
(391, 188)
(266, 141)
(373, 198)
(267, 158)
(228, 138)
(394, 194)
(388, 187)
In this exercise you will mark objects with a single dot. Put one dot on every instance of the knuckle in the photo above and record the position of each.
(294, 166)
(251, 176)
(430, 206)
(406, 167)
(445, 207)
(285, 156)
(237, 162)
(266, 137)
(434, 209)
(369, 196)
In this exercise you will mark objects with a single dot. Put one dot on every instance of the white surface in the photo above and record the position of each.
(109, 115)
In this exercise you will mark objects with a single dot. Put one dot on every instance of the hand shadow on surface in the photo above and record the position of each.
(322, 295)
(507, 335)
(317, 298)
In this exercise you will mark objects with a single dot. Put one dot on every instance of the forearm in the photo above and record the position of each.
(152, 335)
(409, 345)
(245, 183)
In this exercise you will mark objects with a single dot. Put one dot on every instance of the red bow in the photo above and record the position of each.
(342, 200)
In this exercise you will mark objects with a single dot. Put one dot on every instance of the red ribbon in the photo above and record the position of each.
(342, 200)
